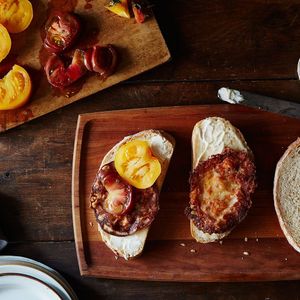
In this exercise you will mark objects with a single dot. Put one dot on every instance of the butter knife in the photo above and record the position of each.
(286, 108)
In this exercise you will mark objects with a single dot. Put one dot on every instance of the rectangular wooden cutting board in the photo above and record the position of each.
(140, 46)
(170, 253)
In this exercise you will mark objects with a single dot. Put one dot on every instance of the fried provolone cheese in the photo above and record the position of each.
(220, 191)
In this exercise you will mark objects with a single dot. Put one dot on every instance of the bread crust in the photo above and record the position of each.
(162, 146)
(223, 135)
(278, 207)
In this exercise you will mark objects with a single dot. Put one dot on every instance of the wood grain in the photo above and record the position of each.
(238, 39)
(140, 47)
(98, 132)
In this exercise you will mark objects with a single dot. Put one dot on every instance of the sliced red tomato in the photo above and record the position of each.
(101, 59)
(88, 59)
(119, 195)
(61, 76)
(62, 30)
(138, 8)
(15, 15)
(15, 88)
(117, 198)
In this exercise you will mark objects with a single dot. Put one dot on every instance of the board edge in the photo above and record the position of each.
(76, 211)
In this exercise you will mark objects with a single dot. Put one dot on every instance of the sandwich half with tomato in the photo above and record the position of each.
(125, 192)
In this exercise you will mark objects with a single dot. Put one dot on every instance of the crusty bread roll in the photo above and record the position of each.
(210, 137)
(162, 146)
(287, 194)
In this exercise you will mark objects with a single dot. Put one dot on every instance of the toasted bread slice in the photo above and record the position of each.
(162, 146)
(287, 194)
(210, 137)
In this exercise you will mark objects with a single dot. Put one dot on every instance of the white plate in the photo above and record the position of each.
(15, 286)
(26, 266)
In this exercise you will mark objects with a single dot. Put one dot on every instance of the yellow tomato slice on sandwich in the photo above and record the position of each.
(136, 164)
(15, 15)
(5, 42)
(15, 88)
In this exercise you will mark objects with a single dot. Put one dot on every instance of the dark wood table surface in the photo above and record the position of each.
(251, 45)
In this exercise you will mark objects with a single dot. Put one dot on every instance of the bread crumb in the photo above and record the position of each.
(221, 242)
(242, 258)
(246, 239)
(91, 224)
(286, 259)
(116, 257)
(193, 250)
(182, 244)
(246, 253)
(256, 240)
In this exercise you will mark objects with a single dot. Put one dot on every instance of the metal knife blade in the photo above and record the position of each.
(270, 104)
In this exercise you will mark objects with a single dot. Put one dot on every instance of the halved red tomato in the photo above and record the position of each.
(15, 15)
(62, 30)
(61, 76)
(15, 88)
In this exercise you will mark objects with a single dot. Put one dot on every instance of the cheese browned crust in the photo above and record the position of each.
(222, 180)
(162, 146)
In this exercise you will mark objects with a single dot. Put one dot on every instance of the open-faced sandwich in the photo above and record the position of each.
(126, 189)
(222, 179)
(287, 194)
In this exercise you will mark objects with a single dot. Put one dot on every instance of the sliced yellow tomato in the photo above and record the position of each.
(119, 7)
(5, 42)
(15, 15)
(15, 88)
(136, 164)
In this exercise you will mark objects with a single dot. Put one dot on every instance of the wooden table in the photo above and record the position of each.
(251, 45)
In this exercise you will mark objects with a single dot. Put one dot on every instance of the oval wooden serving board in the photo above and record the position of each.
(170, 253)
